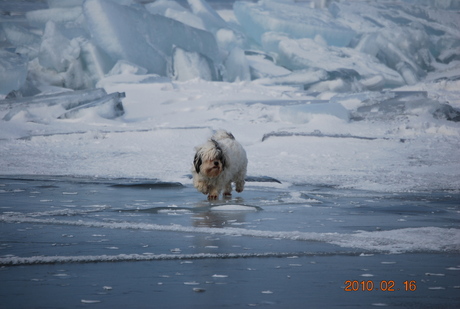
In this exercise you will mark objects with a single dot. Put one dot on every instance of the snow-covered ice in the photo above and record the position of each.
(332, 108)
(379, 141)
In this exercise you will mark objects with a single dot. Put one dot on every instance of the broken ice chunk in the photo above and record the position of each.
(199, 290)
(63, 3)
(126, 67)
(237, 67)
(447, 112)
(56, 51)
(94, 61)
(448, 49)
(262, 65)
(208, 15)
(267, 292)
(105, 105)
(305, 112)
(68, 99)
(297, 20)
(398, 37)
(144, 39)
(162, 6)
(172, 9)
(90, 301)
(408, 73)
(299, 77)
(299, 54)
(13, 71)
(404, 103)
(189, 65)
(446, 5)
(20, 36)
(109, 106)
(127, 40)
(61, 16)
(72, 3)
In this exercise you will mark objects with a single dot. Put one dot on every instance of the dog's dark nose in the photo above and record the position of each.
(216, 163)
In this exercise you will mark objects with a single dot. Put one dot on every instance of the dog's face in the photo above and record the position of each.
(211, 168)
(209, 160)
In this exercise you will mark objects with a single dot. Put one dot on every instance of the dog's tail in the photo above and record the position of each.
(222, 134)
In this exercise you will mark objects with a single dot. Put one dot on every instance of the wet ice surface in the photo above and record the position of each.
(115, 243)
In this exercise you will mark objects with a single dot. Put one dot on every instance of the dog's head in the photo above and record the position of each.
(210, 160)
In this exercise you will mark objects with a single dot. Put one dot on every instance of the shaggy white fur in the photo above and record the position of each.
(218, 163)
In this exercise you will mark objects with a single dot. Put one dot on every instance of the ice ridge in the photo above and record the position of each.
(40, 260)
(392, 241)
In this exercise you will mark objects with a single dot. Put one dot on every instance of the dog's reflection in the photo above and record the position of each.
(219, 218)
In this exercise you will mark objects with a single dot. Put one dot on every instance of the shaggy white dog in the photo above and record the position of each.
(218, 163)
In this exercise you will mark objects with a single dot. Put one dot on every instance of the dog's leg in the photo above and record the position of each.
(213, 193)
(228, 189)
(239, 185)
(201, 186)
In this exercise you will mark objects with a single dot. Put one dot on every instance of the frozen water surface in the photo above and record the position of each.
(138, 242)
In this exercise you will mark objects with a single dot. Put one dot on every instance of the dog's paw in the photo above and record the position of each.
(239, 186)
(213, 193)
(212, 197)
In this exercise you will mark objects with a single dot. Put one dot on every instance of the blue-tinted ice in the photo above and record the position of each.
(124, 242)
(75, 44)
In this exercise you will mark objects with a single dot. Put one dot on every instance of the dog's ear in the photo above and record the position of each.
(197, 162)
(216, 144)
(223, 160)
(221, 157)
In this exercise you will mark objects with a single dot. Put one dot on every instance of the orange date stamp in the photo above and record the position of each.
(383, 285)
